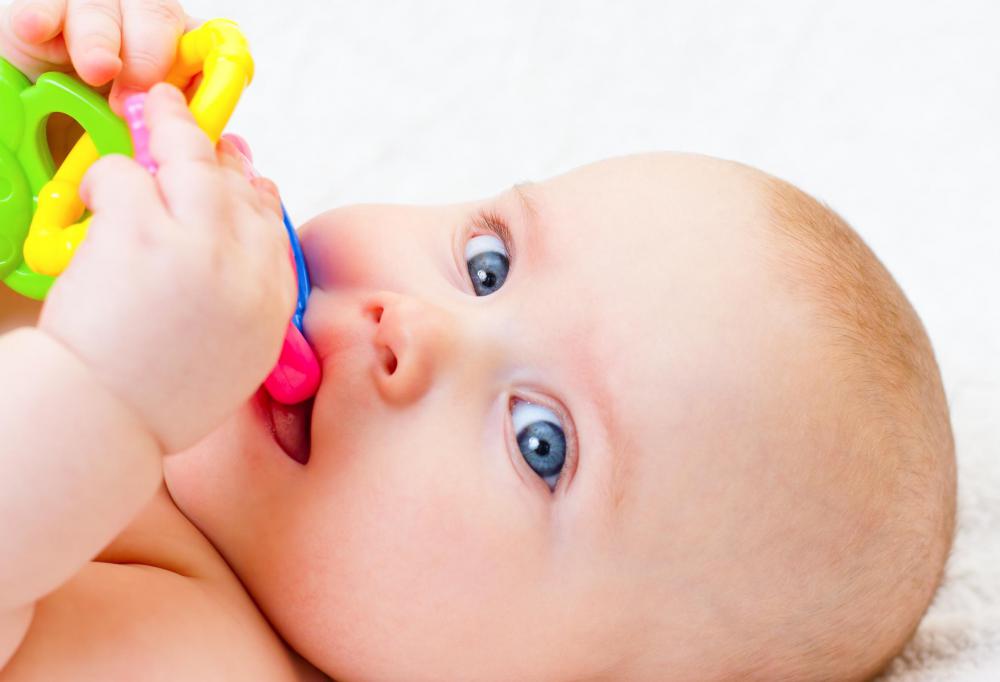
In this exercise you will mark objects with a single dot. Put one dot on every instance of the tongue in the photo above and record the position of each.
(291, 428)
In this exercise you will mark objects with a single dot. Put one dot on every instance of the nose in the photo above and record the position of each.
(413, 340)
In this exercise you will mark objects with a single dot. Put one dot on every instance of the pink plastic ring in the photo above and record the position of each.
(135, 108)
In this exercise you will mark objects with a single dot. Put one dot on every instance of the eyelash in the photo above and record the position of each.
(488, 220)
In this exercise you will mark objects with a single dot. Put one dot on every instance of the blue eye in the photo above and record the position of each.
(540, 438)
(488, 263)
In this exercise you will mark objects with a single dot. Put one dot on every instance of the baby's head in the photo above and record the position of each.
(694, 431)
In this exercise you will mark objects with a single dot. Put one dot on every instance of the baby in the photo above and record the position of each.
(664, 417)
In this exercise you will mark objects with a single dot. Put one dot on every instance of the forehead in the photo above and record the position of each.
(656, 264)
(651, 222)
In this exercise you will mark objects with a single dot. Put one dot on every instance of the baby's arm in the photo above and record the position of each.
(145, 343)
(71, 449)
(169, 317)
(77, 465)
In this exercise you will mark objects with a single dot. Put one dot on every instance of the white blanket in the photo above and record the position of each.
(888, 111)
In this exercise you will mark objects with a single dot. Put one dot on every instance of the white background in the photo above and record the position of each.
(888, 111)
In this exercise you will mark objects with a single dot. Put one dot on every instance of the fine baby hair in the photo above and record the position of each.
(42, 219)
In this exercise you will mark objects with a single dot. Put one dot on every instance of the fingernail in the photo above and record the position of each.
(99, 66)
(169, 91)
(248, 168)
(240, 144)
(242, 149)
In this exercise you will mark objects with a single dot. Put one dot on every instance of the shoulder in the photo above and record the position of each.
(156, 604)
(115, 621)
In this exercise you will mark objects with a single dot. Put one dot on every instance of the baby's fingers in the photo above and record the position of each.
(37, 21)
(267, 194)
(234, 153)
(150, 31)
(119, 187)
(93, 37)
(189, 175)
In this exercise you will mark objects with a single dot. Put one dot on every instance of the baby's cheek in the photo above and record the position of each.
(334, 252)
(415, 569)
(355, 247)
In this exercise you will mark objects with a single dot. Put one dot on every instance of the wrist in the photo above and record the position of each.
(76, 378)
(77, 466)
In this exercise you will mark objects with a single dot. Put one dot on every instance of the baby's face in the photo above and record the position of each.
(537, 475)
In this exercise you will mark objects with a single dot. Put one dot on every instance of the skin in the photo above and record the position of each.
(119, 46)
(416, 543)
(642, 307)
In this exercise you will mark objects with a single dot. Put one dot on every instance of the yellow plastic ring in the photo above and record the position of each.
(218, 50)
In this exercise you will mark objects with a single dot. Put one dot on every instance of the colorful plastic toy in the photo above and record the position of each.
(135, 117)
(296, 376)
(37, 245)
(26, 165)
(218, 51)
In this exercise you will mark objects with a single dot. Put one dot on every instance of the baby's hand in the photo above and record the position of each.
(131, 41)
(179, 297)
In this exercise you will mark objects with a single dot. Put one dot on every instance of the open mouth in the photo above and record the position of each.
(290, 425)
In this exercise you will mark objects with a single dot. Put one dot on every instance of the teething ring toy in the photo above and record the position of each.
(26, 165)
(215, 49)
(296, 375)
(36, 247)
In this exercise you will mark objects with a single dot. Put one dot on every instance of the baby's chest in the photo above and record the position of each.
(122, 619)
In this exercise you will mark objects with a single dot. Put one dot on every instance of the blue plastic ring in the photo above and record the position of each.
(301, 272)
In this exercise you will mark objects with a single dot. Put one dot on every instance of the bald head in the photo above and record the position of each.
(788, 463)
(893, 434)
(800, 488)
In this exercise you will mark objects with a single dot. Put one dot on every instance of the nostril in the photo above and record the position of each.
(376, 312)
(388, 358)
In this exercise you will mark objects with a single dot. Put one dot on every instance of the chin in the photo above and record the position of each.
(226, 483)
(202, 479)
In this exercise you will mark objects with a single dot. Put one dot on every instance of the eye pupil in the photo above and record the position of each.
(486, 278)
(488, 270)
(539, 447)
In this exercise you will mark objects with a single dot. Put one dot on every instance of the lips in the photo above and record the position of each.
(290, 425)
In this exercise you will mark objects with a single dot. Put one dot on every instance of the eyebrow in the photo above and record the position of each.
(534, 235)
(617, 441)
(522, 191)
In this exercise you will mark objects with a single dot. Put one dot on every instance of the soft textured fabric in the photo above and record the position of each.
(888, 111)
